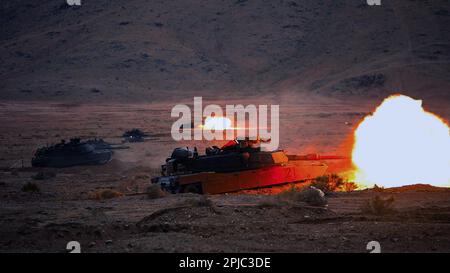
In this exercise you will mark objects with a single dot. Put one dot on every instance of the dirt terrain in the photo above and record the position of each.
(63, 211)
(66, 209)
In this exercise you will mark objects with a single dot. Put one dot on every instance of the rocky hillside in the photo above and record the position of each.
(128, 50)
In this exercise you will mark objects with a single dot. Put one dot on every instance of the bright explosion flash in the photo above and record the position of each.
(217, 123)
(402, 144)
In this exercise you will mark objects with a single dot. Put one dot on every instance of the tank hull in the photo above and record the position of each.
(214, 182)
(69, 160)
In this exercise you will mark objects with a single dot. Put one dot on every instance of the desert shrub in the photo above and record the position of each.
(328, 183)
(102, 194)
(154, 191)
(332, 183)
(43, 175)
(349, 186)
(321, 182)
(376, 188)
(31, 187)
(378, 205)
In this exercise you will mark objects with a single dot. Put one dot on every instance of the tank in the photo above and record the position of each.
(72, 153)
(135, 135)
(100, 144)
(238, 165)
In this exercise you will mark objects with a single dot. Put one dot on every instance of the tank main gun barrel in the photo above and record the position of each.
(315, 157)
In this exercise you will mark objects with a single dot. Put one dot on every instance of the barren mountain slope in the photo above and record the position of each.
(153, 50)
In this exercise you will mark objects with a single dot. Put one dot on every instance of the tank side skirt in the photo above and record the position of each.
(228, 182)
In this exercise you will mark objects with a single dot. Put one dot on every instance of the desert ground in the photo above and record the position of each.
(65, 208)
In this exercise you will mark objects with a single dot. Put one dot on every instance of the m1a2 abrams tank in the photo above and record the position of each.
(238, 165)
(73, 153)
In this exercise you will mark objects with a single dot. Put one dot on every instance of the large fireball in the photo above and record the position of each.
(402, 144)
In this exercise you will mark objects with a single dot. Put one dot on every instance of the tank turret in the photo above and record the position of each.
(236, 155)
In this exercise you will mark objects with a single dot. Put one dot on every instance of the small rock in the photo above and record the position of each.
(313, 196)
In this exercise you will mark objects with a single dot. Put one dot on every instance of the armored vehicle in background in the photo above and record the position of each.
(73, 153)
(100, 144)
(135, 135)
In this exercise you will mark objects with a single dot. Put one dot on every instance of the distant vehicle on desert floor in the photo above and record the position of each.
(73, 153)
